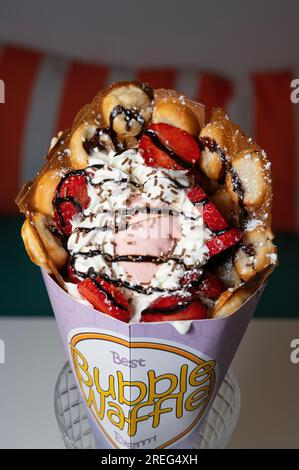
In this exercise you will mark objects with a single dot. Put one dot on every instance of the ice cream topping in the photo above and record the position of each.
(140, 229)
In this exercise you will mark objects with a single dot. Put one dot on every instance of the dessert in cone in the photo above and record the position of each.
(153, 231)
(150, 214)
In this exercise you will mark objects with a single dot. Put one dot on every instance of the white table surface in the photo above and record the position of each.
(269, 385)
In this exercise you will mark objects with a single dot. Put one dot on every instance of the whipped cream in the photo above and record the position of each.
(115, 180)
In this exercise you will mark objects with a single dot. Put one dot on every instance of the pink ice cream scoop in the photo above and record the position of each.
(147, 234)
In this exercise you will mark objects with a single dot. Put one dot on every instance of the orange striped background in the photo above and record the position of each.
(18, 69)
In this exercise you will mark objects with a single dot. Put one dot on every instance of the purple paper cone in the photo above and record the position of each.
(145, 385)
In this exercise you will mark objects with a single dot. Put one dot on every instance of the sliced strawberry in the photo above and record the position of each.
(105, 297)
(211, 287)
(163, 145)
(73, 185)
(192, 278)
(224, 240)
(70, 199)
(203, 283)
(63, 213)
(173, 308)
(197, 195)
(211, 215)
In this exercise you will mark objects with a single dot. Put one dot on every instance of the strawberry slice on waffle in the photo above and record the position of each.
(211, 287)
(71, 198)
(211, 216)
(224, 236)
(224, 240)
(174, 308)
(105, 297)
(203, 283)
(163, 145)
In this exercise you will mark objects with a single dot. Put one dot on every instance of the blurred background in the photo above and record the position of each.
(54, 57)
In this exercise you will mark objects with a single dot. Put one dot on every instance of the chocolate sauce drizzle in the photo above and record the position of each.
(117, 282)
(130, 115)
(160, 211)
(95, 142)
(129, 212)
(162, 146)
(128, 258)
(109, 296)
(58, 200)
(195, 282)
(174, 181)
(237, 186)
(121, 181)
(211, 144)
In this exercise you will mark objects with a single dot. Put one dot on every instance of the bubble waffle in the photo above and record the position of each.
(156, 147)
